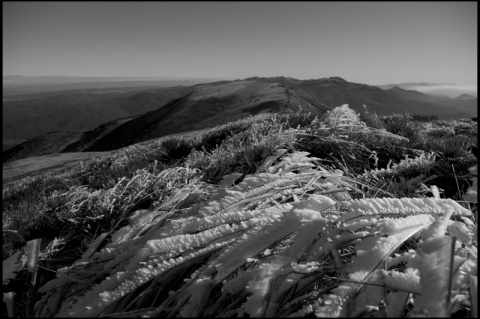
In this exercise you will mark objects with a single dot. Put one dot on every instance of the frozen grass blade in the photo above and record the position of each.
(434, 258)
(474, 295)
(9, 300)
(33, 250)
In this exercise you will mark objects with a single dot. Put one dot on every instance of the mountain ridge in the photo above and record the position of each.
(465, 96)
(449, 90)
(207, 105)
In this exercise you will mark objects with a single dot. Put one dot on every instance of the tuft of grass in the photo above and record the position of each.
(452, 146)
(243, 152)
(400, 124)
(371, 119)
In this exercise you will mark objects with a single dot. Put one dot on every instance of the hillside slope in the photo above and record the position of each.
(207, 106)
(336, 91)
(25, 119)
(465, 97)
(449, 90)
(60, 142)
(216, 103)
(48, 143)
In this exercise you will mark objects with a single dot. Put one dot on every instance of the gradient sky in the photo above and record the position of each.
(367, 42)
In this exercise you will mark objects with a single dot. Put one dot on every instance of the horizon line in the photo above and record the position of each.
(168, 77)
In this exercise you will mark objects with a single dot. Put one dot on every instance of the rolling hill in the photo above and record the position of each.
(465, 97)
(59, 142)
(207, 106)
(154, 113)
(336, 91)
(15, 87)
(216, 103)
(411, 85)
(449, 90)
(77, 110)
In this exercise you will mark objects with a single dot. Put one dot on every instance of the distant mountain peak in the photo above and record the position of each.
(337, 79)
(332, 79)
(465, 96)
(412, 84)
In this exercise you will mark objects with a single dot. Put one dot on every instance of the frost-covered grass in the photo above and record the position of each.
(329, 216)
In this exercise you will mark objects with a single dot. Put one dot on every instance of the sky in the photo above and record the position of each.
(366, 42)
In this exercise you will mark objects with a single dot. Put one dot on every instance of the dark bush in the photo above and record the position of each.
(424, 117)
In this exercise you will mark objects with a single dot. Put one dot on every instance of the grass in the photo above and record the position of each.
(241, 147)
(176, 174)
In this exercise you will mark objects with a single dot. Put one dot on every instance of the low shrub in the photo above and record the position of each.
(424, 117)
(399, 124)
(451, 146)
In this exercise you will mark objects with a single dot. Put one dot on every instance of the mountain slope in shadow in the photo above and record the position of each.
(60, 142)
(77, 110)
